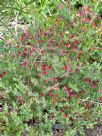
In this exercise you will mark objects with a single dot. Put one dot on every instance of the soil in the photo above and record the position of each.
(97, 131)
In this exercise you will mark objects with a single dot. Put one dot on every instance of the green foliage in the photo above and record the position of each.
(51, 72)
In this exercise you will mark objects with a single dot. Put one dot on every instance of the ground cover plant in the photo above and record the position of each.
(51, 72)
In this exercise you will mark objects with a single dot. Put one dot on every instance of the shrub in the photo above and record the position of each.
(53, 75)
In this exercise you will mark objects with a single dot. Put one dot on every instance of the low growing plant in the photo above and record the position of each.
(53, 76)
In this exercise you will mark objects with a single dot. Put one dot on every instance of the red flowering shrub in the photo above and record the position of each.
(54, 75)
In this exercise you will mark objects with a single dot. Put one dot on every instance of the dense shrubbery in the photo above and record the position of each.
(52, 72)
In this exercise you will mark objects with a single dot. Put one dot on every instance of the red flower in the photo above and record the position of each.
(87, 80)
(45, 34)
(68, 45)
(33, 48)
(42, 94)
(19, 53)
(20, 98)
(26, 34)
(84, 63)
(67, 89)
(43, 52)
(23, 38)
(78, 14)
(44, 67)
(65, 115)
(44, 73)
(70, 59)
(60, 6)
(4, 73)
(94, 85)
(79, 54)
(88, 105)
(67, 67)
(40, 30)
(71, 36)
(1, 76)
(24, 63)
(60, 35)
(49, 67)
(62, 41)
(50, 42)
(38, 35)
(50, 93)
(31, 53)
(46, 81)
(72, 94)
(31, 38)
(55, 79)
(74, 48)
(63, 52)
(49, 47)
(83, 92)
(25, 50)
(76, 42)
(40, 41)
(62, 110)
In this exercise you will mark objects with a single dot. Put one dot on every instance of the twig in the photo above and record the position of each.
(85, 100)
